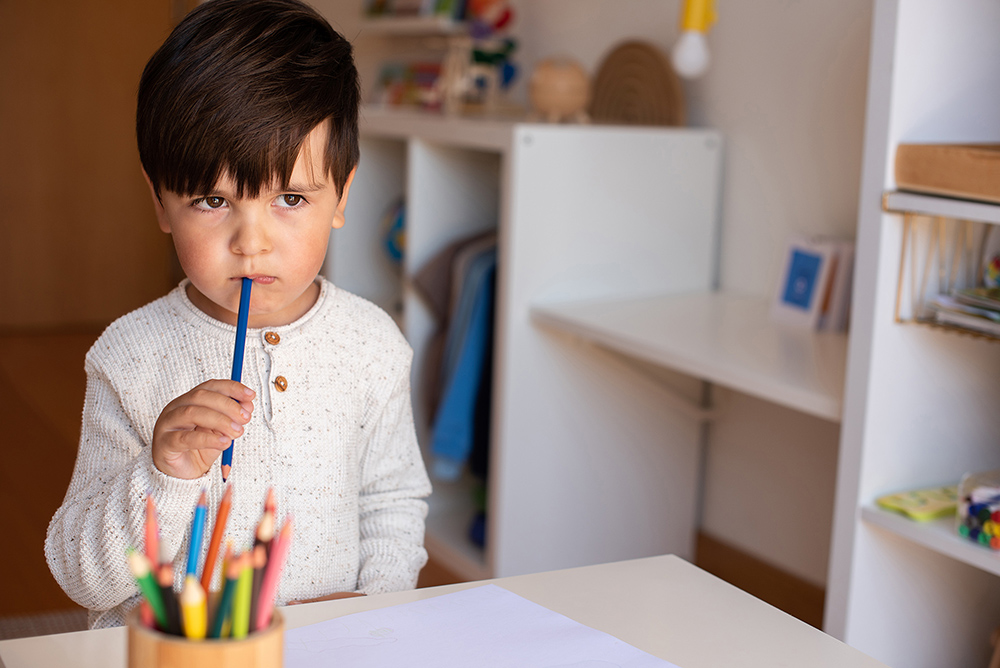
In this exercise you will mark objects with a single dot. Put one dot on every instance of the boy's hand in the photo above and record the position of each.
(194, 429)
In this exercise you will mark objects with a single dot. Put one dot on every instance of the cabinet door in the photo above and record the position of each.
(79, 243)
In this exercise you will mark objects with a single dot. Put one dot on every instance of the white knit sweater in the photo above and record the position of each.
(338, 446)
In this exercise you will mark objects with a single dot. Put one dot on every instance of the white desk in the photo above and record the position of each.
(662, 605)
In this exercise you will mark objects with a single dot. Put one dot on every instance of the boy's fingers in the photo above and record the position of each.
(196, 439)
(193, 416)
(230, 388)
(221, 403)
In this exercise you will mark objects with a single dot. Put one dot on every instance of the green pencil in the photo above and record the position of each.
(141, 570)
(226, 601)
(241, 602)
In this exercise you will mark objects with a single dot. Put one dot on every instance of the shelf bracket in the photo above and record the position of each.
(701, 412)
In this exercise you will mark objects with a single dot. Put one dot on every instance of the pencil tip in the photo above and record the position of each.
(225, 472)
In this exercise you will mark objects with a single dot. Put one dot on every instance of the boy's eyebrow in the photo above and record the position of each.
(304, 188)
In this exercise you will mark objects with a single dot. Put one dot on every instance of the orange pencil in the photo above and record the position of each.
(220, 528)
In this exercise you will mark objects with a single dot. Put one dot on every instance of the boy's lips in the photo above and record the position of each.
(261, 279)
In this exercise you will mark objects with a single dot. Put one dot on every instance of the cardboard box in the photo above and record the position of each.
(969, 171)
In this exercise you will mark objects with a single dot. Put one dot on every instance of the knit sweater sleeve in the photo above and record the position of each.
(103, 512)
(392, 510)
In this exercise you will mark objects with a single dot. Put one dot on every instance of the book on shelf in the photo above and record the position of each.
(965, 319)
(982, 298)
(816, 282)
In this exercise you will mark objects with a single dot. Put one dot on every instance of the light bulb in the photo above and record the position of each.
(690, 54)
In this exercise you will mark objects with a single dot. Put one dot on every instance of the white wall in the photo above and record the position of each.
(786, 88)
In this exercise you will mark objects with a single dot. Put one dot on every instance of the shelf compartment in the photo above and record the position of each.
(938, 535)
(450, 513)
(723, 338)
(939, 254)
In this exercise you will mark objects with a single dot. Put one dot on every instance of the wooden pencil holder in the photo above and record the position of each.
(148, 648)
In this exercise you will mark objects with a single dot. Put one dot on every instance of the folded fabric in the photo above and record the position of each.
(454, 425)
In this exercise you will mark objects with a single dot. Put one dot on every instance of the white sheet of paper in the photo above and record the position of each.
(486, 626)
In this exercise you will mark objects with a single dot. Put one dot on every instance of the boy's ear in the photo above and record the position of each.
(161, 218)
(338, 215)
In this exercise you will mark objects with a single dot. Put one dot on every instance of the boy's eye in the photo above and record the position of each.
(210, 202)
(290, 200)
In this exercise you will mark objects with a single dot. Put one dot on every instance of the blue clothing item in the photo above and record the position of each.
(458, 327)
(454, 425)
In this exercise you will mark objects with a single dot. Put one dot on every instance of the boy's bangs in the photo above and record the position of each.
(252, 161)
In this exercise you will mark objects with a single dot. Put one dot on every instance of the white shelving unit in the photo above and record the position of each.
(586, 465)
(412, 25)
(920, 404)
(725, 339)
(939, 535)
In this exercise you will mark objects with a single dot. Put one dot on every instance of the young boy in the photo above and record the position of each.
(247, 130)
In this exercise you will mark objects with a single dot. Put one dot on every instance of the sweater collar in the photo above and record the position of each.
(179, 299)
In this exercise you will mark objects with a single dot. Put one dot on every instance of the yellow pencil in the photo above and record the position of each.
(193, 609)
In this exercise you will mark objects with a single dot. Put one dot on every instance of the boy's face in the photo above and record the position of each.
(278, 239)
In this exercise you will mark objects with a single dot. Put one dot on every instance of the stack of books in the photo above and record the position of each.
(972, 308)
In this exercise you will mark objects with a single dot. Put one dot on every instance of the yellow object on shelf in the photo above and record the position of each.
(922, 505)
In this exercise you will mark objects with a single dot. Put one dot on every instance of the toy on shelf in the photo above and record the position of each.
(559, 89)
(922, 505)
(478, 67)
(979, 508)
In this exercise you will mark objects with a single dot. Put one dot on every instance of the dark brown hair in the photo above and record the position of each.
(236, 88)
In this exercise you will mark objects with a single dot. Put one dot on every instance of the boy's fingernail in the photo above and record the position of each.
(247, 391)
(223, 439)
(236, 427)
(244, 414)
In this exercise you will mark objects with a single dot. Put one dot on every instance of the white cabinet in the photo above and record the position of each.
(921, 406)
(588, 462)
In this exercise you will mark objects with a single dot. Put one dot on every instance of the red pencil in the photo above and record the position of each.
(220, 528)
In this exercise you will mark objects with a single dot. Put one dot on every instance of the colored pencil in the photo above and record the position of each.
(221, 517)
(241, 601)
(237, 374)
(259, 562)
(152, 533)
(265, 531)
(272, 574)
(222, 611)
(197, 534)
(193, 609)
(165, 579)
(139, 564)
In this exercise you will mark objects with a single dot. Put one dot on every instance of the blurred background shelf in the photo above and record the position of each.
(413, 25)
(930, 205)
(722, 338)
(938, 535)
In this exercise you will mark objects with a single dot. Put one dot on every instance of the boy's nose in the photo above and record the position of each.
(250, 236)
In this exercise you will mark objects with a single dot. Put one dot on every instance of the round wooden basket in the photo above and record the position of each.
(637, 85)
(151, 649)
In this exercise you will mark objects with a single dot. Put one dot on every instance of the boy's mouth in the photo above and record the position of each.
(259, 279)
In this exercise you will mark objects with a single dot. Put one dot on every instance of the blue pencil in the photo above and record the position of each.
(197, 531)
(237, 375)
